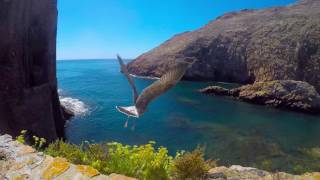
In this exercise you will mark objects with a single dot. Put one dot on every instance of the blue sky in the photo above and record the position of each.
(89, 29)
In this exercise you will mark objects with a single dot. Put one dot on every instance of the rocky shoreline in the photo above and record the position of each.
(286, 94)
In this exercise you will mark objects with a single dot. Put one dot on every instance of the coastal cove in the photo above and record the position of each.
(231, 131)
(238, 95)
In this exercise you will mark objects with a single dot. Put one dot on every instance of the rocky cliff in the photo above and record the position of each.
(28, 84)
(246, 46)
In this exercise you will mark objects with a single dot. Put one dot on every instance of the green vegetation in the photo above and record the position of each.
(36, 142)
(21, 137)
(266, 165)
(190, 165)
(143, 162)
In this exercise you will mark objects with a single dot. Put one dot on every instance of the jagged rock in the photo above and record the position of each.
(288, 94)
(28, 84)
(279, 43)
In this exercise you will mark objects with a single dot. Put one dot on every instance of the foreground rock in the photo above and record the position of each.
(28, 83)
(248, 173)
(18, 161)
(288, 94)
(21, 162)
(251, 45)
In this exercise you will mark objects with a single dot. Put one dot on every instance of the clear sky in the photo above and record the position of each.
(89, 29)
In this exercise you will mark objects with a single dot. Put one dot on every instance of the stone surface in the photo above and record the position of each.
(28, 84)
(21, 162)
(288, 94)
(87, 170)
(56, 168)
(119, 177)
(237, 172)
(279, 43)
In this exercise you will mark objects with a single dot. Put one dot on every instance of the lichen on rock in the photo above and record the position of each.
(87, 170)
(57, 167)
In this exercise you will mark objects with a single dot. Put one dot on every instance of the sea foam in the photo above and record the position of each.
(144, 77)
(78, 107)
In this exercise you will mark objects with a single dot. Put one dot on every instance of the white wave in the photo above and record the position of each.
(74, 105)
(144, 77)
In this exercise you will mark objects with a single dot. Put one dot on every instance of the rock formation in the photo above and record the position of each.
(246, 173)
(279, 43)
(288, 94)
(28, 84)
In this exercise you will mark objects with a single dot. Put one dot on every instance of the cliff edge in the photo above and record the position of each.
(28, 84)
(18, 161)
(281, 43)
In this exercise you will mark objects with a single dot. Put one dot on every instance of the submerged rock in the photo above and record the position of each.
(288, 94)
(217, 90)
(251, 45)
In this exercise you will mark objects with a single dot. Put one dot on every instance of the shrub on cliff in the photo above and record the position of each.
(71, 152)
(190, 165)
(143, 162)
(26, 137)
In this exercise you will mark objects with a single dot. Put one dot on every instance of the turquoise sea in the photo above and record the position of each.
(182, 119)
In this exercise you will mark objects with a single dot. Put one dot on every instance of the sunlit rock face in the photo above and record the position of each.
(28, 85)
(246, 46)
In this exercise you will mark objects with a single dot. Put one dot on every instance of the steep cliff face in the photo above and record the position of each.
(246, 46)
(28, 85)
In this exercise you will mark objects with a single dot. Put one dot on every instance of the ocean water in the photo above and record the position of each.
(182, 119)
